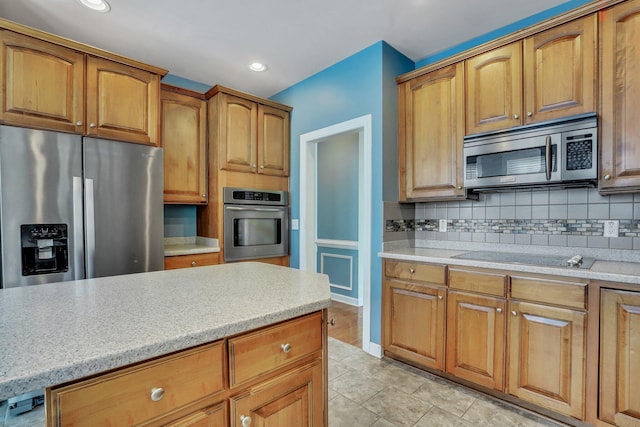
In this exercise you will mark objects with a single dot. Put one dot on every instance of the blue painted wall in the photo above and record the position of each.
(352, 88)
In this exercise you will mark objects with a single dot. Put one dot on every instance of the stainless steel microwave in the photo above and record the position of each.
(561, 152)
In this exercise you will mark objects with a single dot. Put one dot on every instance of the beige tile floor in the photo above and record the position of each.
(366, 391)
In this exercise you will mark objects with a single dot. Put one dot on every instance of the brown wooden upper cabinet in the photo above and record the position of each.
(54, 84)
(431, 131)
(253, 137)
(184, 140)
(122, 102)
(549, 75)
(43, 84)
(620, 98)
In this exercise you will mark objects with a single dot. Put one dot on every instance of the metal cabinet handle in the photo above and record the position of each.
(515, 313)
(79, 123)
(246, 421)
(286, 348)
(459, 187)
(157, 393)
(204, 196)
(193, 263)
(607, 177)
(261, 166)
(515, 116)
(253, 165)
(92, 125)
(411, 270)
(440, 297)
(498, 310)
(529, 114)
(332, 322)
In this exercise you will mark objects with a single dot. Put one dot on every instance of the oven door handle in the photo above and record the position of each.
(234, 208)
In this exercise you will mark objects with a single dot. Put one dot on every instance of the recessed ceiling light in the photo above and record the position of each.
(257, 66)
(97, 5)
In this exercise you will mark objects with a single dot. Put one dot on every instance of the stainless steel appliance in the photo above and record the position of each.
(256, 224)
(561, 152)
(74, 208)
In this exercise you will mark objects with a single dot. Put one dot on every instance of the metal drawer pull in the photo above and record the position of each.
(286, 347)
(499, 310)
(246, 421)
(332, 322)
(411, 270)
(157, 393)
(515, 313)
(193, 264)
(440, 297)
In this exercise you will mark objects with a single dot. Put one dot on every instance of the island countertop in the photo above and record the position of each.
(54, 333)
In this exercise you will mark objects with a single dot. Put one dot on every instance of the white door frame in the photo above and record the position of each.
(308, 180)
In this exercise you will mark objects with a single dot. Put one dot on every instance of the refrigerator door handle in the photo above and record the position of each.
(90, 227)
(78, 232)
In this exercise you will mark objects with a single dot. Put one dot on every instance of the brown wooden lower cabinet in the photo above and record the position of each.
(190, 388)
(414, 316)
(620, 357)
(193, 260)
(519, 335)
(294, 399)
(476, 338)
(547, 356)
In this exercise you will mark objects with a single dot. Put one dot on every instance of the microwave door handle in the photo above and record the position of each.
(548, 162)
(234, 208)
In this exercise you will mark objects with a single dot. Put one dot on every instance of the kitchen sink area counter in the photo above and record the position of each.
(61, 332)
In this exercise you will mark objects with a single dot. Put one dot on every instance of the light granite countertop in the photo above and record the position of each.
(53, 333)
(615, 271)
(174, 246)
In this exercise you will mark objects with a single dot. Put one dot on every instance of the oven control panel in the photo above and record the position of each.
(254, 197)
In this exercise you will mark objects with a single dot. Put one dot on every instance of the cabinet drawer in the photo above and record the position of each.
(259, 352)
(124, 397)
(478, 281)
(556, 292)
(431, 273)
(195, 260)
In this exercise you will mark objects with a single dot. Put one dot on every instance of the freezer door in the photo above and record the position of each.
(40, 173)
(124, 224)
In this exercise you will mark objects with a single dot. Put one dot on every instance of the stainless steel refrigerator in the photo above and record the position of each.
(73, 207)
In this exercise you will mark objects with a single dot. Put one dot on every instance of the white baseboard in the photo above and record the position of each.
(374, 350)
(345, 299)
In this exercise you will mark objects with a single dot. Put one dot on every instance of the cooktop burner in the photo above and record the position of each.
(531, 259)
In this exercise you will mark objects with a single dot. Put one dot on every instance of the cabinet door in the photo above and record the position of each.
(273, 141)
(294, 399)
(43, 84)
(620, 95)
(122, 102)
(494, 89)
(184, 133)
(430, 137)
(547, 357)
(237, 122)
(476, 338)
(560, 71)
(413, 325)
(620, 357)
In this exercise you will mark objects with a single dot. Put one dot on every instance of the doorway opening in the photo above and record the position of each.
(360, 128)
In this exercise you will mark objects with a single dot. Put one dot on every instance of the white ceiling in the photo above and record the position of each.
(213, 41)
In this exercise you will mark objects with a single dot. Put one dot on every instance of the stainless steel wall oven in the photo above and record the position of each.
(256, 224)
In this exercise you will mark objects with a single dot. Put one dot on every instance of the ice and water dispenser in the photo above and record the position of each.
(45, 248)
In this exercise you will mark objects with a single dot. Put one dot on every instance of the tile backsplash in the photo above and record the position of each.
(560, 218)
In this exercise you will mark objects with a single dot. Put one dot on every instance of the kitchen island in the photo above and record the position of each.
(60, 333)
